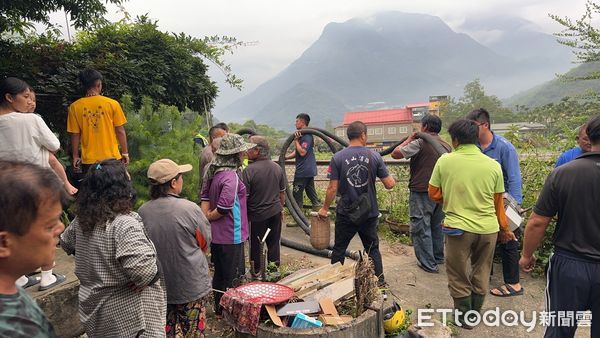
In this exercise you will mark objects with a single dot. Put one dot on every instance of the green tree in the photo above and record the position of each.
(18, 16)
(474, 97)
(275, 137)
(135, 58)
(582, 37)
(156, 132)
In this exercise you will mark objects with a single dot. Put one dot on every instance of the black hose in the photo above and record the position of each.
(309, 249)
(432, 141)
(247, 131)
(293, 207)
(333, 136)
(290, 201)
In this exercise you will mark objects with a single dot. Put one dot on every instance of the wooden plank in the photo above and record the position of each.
(305, 272)
(327, 306)
(325, 274)
(335, 320)
(324, 282)
(336, 291)
(328, 270)
(299, 274)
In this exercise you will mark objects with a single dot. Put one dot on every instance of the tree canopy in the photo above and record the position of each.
(474, 97)
(582, 37)
(135, 58)
(17, 16)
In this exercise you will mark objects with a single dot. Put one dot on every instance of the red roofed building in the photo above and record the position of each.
(383, 126)
(418, 110)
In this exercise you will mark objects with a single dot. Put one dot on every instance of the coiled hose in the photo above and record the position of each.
(295, 210)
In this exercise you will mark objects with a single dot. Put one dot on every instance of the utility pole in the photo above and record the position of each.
(207, 114)
(68, 28)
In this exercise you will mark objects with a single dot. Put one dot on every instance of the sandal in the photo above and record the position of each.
(31, 281)
(59, 279)
(510, 291)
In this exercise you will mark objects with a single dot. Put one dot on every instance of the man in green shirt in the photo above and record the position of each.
(470, 186)
(29, 229)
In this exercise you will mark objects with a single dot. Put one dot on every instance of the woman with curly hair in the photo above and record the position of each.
(121, 292)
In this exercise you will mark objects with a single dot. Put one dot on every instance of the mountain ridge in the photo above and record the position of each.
(390, 57)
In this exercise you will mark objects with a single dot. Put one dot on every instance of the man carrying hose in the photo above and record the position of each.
(353, 172)
(306, 164)
(425, 215)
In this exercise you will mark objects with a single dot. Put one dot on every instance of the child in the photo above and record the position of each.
(52, 160)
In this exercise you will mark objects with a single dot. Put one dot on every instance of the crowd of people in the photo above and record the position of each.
(146, 273)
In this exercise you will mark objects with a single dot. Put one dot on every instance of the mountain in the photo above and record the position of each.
(553, 91)
(391, 57)
(520, 40)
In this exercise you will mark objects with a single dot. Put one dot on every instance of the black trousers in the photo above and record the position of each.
(77, 178)
(573, 286)
(257, 231)
(509, 253)
(228, 260)
(345, 231)
(308, 183)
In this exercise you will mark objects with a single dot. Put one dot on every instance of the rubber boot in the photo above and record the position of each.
(462, 304)
(477, 302)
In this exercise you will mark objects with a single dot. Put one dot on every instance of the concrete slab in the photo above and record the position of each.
(60, 303)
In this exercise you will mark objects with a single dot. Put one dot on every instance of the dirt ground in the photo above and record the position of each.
(413, 288)
(416, 289)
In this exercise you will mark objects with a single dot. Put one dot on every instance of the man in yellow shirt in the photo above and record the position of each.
(96, 122)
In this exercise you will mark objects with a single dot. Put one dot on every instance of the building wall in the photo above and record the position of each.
(380, 133)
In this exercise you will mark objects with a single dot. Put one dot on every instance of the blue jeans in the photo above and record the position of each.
(426, 217)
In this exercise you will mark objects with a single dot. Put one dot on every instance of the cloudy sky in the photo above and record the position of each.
(283, 29)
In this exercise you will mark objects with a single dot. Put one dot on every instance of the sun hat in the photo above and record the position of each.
(164, 170)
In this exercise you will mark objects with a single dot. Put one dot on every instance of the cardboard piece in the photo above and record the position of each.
(273, 315)
(327, 306)
(300, 307)
(334, 320)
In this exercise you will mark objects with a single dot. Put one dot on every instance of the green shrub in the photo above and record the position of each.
(164, 132)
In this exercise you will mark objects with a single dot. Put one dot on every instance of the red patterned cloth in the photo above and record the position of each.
(240, 312)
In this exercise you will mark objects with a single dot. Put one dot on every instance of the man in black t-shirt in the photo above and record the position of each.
(306, 164)
(265, 186)
(571, 191)
(353, 172)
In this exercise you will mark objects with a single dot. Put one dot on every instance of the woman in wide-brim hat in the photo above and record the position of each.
(224, 204)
